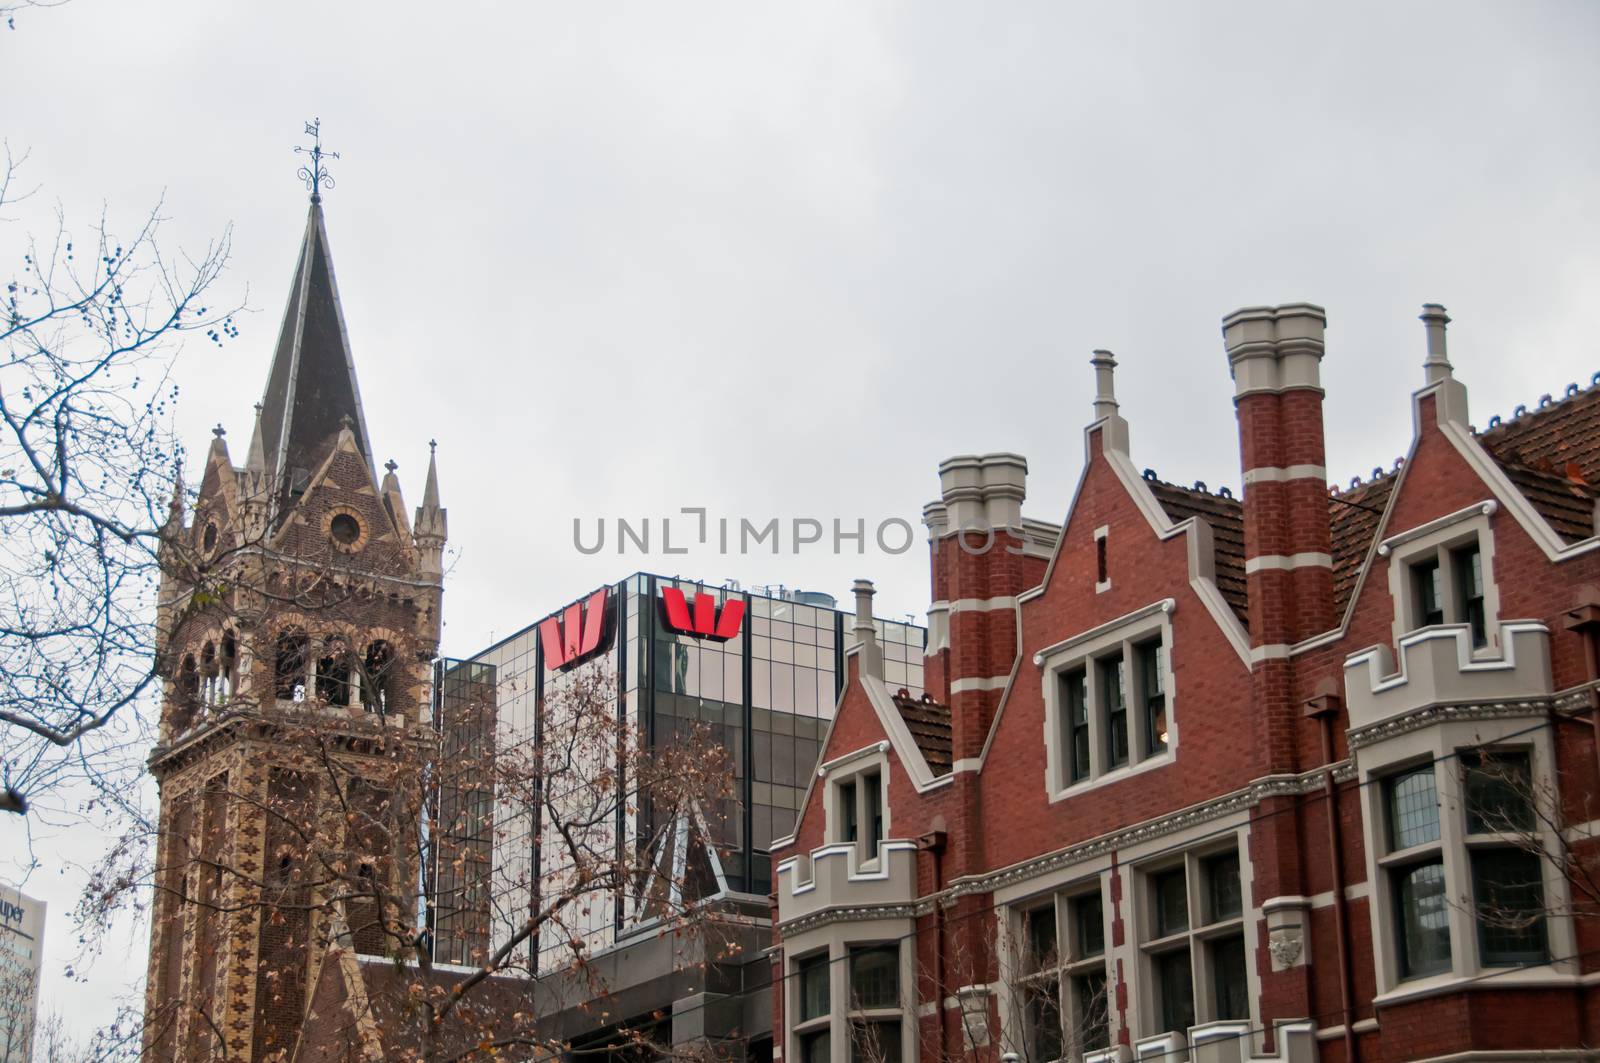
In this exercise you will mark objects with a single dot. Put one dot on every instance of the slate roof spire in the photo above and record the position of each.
(312, 387)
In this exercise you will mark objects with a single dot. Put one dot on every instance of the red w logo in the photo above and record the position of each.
(575, 633)
(705, 621)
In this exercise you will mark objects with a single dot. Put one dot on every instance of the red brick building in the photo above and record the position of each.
(1300, 775)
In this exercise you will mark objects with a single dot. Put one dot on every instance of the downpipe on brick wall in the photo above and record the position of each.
(1325, 708)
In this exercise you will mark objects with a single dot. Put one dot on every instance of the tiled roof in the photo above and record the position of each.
(1552, 455)
(1226, 517)
(929, 723)
(1353, 517)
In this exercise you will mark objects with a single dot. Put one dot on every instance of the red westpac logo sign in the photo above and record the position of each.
(577, 631)
(704, 619)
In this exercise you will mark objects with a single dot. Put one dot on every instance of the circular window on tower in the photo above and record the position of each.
(345, 529)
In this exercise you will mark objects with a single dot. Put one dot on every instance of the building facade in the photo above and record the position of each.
(762, 673)
(21, 962)
(1303, 774)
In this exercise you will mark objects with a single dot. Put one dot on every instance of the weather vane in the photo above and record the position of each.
(316, 174)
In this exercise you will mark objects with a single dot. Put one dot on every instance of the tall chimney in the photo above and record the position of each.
(1275, 354)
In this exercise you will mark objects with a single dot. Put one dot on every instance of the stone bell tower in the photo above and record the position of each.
(296, 597)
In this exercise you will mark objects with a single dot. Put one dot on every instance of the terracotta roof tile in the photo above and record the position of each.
(929, 723)
(1226, 517)
(1552, 455)
(1353, 517)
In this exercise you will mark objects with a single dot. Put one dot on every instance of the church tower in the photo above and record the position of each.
(299, 613)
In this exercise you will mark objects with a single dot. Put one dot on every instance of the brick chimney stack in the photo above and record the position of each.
(978, 570)
(1275, 354)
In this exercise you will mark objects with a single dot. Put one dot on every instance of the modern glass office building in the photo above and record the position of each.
(761, 669)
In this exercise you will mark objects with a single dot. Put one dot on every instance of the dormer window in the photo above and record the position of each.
(858, 809)
(1108, 697)
(1447, 588)
(1441, 575)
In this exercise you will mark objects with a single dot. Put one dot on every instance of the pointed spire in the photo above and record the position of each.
(175, 506)
(255, 462)
(432, 525)
(312, 389)
(430, 489)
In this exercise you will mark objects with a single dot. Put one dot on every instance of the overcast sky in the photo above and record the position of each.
(778, 263)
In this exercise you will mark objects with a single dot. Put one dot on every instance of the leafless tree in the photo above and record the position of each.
(366, 851)
(1049, 1010)
(9, 9)
(1519, 828)
(17, 997)
(88, 469)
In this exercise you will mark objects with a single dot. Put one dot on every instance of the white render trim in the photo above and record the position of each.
(1333, 1033)
(1313, 559)
(1279, 474)
(1449, 520)
(1373, 657)
(967, 685)
(980, 605)
(1165, 605)
(1319, 900)
(905, 747)
(1275, 651)
(827, 767)
(966, 764)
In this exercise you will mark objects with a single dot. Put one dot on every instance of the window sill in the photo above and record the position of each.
(1546, 976)
(1116, 775)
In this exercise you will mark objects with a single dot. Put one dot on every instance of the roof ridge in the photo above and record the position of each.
(1521, 414)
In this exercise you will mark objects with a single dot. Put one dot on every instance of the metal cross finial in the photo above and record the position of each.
(391, 465)
(433, 444)
(219, 431)
(316, 175)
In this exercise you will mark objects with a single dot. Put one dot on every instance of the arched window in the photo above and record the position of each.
(208, 673)
(378, 669)
(230, 664)
(290, 666)
(333, 673)
(188, 693)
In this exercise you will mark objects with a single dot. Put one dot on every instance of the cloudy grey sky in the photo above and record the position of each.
(778, 262)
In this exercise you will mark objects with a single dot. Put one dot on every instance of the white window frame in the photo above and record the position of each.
(798, 1027)
(1069, 964)
(852, 772)
(1197, 937)
(1441, 744)
(1440, 539)
(840, 1017)
(1124, 635)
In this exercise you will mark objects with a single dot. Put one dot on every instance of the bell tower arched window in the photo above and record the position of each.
(375, 687)
(188, 693)
(289, 673)
(333, 673)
